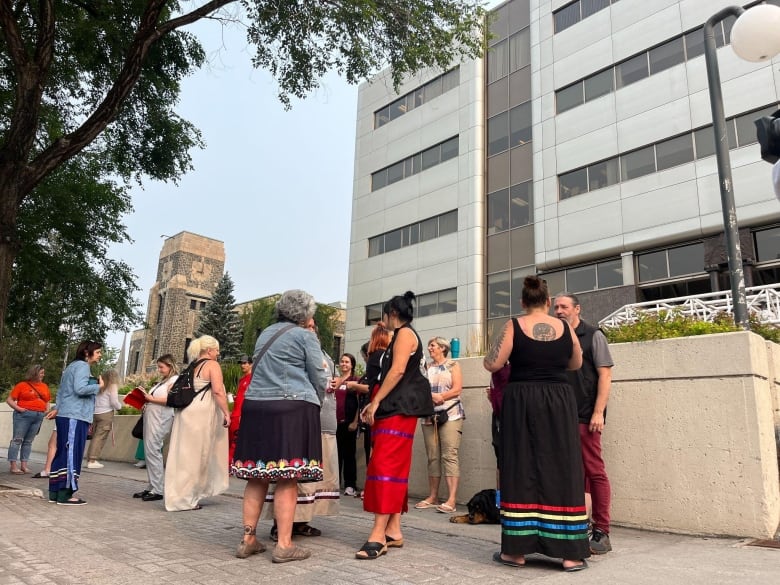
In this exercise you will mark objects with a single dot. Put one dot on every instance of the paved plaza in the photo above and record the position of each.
(119, 540)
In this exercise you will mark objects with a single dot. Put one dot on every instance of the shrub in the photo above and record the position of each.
(668, 324)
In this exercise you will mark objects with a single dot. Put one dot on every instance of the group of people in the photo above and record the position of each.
(292, 434)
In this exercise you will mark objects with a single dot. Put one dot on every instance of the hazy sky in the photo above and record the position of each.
(275, 186)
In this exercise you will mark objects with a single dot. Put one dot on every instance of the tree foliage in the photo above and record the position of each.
(220, 320)
(260, 315)
(99, 81)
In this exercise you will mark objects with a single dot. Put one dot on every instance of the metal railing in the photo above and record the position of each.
(762, 301)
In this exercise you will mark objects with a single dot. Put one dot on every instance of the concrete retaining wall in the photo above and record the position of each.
(690, 443)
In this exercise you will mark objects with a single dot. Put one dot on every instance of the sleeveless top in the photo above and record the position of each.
(412, 395)
(539, 361)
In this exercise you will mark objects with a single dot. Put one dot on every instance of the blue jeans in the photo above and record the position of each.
(26, 426)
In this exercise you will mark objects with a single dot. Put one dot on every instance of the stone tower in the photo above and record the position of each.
(189, 268)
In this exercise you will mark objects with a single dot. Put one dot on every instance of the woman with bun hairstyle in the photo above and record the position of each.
(403, 396)
(197, 456)
(542, 500)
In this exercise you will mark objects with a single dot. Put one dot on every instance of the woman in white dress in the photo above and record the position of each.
(158, 420)
(198, 452)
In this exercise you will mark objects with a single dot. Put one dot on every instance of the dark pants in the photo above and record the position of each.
(346, 442)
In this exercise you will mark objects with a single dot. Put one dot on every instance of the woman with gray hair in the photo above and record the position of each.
(442, 441)
(279, 435)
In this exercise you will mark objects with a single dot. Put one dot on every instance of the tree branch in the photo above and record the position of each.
(148, 33)
(12, 36)
(30, 81)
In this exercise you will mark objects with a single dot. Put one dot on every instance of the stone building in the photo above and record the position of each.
(189, 268)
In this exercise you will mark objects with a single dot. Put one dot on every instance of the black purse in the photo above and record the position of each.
(442, 416)
(138, 429)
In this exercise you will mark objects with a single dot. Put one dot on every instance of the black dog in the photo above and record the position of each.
(482, 510)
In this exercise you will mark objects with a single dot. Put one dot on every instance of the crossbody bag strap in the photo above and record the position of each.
(34, 390)
(268, 344)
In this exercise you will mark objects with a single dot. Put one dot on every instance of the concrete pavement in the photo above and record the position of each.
(119, 540)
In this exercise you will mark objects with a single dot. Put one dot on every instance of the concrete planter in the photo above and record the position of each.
(690, 441)
(121, 448)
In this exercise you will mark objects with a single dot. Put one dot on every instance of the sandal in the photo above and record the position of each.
(424, 505)
(303, 529)
(371, 550)
(446, 509)
(581, 567)
(394, 542)
(17, 472)
(285, 555)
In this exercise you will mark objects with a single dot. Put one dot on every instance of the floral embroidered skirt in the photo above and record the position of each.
(278, 440)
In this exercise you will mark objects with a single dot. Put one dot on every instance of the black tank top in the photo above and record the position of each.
(539, 361)
(412, 394)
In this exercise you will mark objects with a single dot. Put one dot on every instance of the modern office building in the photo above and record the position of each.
(580, 148)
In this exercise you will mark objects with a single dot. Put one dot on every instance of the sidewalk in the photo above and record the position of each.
(118, 540)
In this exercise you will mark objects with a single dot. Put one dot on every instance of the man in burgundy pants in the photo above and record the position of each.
(591, 385)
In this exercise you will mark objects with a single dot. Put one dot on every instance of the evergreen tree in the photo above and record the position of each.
(219, 320)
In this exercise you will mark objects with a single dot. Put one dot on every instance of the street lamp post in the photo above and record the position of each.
(733, 249)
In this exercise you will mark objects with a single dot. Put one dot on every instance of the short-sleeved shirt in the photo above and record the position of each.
(31, 395)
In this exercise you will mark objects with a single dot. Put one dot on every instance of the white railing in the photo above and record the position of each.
(762, 301)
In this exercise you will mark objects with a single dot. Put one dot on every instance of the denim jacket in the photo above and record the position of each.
(291, 369)
(76, 395)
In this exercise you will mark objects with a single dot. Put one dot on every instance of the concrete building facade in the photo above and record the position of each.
(583, 151)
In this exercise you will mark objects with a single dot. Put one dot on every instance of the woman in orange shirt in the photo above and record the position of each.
(29, 400)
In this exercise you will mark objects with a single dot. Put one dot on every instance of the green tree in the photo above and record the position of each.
(257, 317)
(261, 314)
(220, 320)
(102, 78)
(325, 318)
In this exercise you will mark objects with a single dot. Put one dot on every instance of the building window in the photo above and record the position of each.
(193, 304)
(434, 303)
(187, 342)
(437, 303)
(160, 308)
(571, 14)
(417, 97)
(136, 360)
(768, 244)
(428, 229)
(374, 314)
(520, 196)
(659, 156)
(416, 163)
(589, 277)
(672, 52)
(671, 262)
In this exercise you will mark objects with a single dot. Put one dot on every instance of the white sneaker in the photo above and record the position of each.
(350, 492)
(95, 465)
(140, 465)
